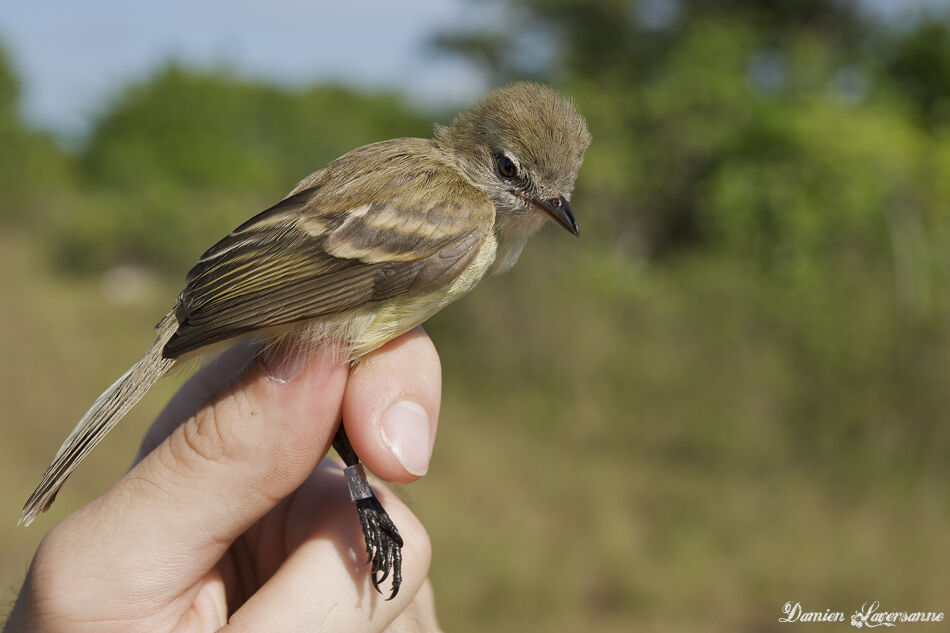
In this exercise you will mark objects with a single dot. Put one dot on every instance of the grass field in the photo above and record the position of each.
(630, 452)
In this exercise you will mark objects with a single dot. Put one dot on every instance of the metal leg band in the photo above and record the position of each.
(356, 482)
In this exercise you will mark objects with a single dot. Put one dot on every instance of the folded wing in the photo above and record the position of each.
(363, 230)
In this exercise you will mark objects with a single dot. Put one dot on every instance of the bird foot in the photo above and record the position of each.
(383, 543)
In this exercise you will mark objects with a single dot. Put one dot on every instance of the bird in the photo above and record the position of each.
(362, 250)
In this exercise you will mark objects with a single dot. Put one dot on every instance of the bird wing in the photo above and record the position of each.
(362, 230)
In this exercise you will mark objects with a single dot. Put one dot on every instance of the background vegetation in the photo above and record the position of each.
(731, 393)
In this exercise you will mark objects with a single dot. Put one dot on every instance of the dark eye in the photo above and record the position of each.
(506, 168)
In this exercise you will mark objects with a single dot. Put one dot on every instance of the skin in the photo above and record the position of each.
(230, 521)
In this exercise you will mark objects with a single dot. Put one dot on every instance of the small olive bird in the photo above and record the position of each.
(361, 251)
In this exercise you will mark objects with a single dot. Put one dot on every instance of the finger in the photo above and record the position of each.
(196, 391)
(324, 584)
(419, 616)
(176, 512)
(391, 407)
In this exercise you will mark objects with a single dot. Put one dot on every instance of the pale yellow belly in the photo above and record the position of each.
(399, 315)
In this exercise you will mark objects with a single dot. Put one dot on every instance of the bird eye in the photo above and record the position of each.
(506, 167)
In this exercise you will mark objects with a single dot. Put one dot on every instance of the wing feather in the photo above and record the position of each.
(327, 249)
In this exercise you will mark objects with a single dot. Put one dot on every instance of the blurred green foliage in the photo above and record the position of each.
(798, 150)
(32, 170)
(184, 153)
(748, 386)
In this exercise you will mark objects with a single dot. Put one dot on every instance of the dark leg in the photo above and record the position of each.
(383, 543)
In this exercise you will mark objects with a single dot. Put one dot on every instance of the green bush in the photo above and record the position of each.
(181, 158)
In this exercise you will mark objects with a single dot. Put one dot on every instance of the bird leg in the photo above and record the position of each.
(383, 543)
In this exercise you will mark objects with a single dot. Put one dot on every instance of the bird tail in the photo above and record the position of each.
(101, 417)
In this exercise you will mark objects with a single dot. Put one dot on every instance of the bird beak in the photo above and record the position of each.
(558, 208)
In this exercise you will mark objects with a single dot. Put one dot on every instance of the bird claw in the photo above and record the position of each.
(383, 544)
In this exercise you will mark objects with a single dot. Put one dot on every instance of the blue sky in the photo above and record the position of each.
(71, 56)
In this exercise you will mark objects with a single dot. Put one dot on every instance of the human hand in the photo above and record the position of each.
(231, 521)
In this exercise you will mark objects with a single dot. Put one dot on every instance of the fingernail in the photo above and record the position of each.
(405, 430)
(283, 365)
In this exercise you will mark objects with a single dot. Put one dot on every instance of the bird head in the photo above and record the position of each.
(522, 145)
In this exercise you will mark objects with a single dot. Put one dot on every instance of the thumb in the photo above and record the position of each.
(250, 444)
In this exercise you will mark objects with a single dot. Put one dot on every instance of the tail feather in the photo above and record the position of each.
(102, 416)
